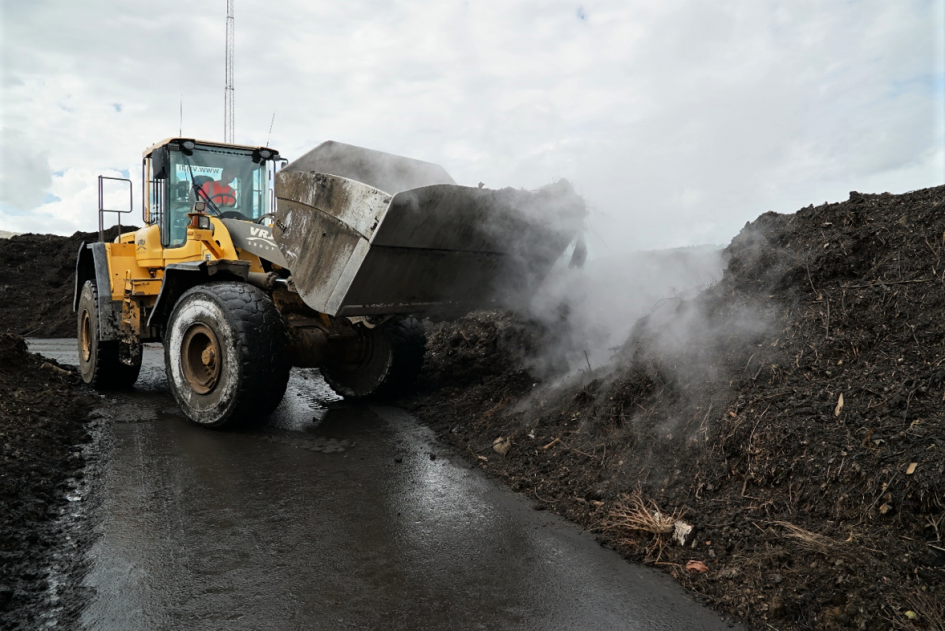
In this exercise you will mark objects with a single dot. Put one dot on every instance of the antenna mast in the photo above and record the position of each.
(229, 104)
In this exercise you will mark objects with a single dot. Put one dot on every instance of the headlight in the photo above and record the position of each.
(188, 145)
(200, 221)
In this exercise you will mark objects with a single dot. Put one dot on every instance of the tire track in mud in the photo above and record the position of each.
(305, 441)
(133, 413)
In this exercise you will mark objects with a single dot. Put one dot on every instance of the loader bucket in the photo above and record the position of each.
(432, 248)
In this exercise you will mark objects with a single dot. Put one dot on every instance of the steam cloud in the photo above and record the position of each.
(592, 310)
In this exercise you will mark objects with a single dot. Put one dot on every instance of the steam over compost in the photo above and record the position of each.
(793, 414)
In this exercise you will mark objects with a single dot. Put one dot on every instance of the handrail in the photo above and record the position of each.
(145, 202)
(101, 204)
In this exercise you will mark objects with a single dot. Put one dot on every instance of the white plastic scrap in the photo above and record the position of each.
(681, 531)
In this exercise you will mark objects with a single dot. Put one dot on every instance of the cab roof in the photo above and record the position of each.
(212, 143)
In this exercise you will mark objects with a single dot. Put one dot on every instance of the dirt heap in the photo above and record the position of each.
(37, 281)
(793, 413)
(42, 428)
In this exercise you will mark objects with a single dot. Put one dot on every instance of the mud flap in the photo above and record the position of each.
(179, 277)
(92, 264)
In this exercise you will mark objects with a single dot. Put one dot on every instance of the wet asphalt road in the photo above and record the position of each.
(335, 516)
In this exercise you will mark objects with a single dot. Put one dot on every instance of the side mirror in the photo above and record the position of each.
(159, 164)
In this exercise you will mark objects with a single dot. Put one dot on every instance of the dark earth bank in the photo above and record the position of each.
(793, 414)
(37, 282)
(43, 425)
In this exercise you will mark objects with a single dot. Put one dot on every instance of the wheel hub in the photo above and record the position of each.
(357, 353)
(85, 341)
(199, 358)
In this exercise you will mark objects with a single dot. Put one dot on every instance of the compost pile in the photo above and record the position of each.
(37, 281)
(42, 428)
(793, 414)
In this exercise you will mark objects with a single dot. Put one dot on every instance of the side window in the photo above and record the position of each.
(156, 193)
(155, 173)
(259, 192)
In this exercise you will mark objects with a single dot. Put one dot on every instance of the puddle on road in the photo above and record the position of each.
(306, 402)
(300, 420)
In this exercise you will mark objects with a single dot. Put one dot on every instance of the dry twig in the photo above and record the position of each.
(822, 544)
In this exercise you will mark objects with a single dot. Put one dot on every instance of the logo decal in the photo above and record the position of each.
(261, 242)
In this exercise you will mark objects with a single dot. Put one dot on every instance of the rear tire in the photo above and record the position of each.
(99, 362)
(382, 363)
(224, 355)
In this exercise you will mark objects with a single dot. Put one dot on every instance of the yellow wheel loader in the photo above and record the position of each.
(248, 265)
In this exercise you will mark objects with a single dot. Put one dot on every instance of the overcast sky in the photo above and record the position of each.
(677, 120)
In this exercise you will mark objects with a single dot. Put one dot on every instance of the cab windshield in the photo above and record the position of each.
(227, 178)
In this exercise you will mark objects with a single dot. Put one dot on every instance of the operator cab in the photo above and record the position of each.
(233, 181)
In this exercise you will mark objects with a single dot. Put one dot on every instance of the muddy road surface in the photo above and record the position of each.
(333, 515)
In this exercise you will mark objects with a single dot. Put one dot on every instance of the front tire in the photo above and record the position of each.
(224, 354)
(99, 361)
(382, 363)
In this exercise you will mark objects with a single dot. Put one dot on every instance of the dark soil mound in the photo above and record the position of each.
(794, 413)
(38, 281)
(41, 429)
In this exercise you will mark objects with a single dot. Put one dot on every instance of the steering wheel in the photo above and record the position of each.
(219, 197)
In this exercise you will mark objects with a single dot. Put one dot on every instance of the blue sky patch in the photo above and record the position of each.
(50, 199)
(117, 106)
(7, 209)
(581, 14)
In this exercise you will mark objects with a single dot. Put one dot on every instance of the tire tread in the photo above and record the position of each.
(408, 346)
(260, 335)
(108, 371)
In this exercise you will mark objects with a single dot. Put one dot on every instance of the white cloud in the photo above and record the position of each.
(25, 176)
(678, 120)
